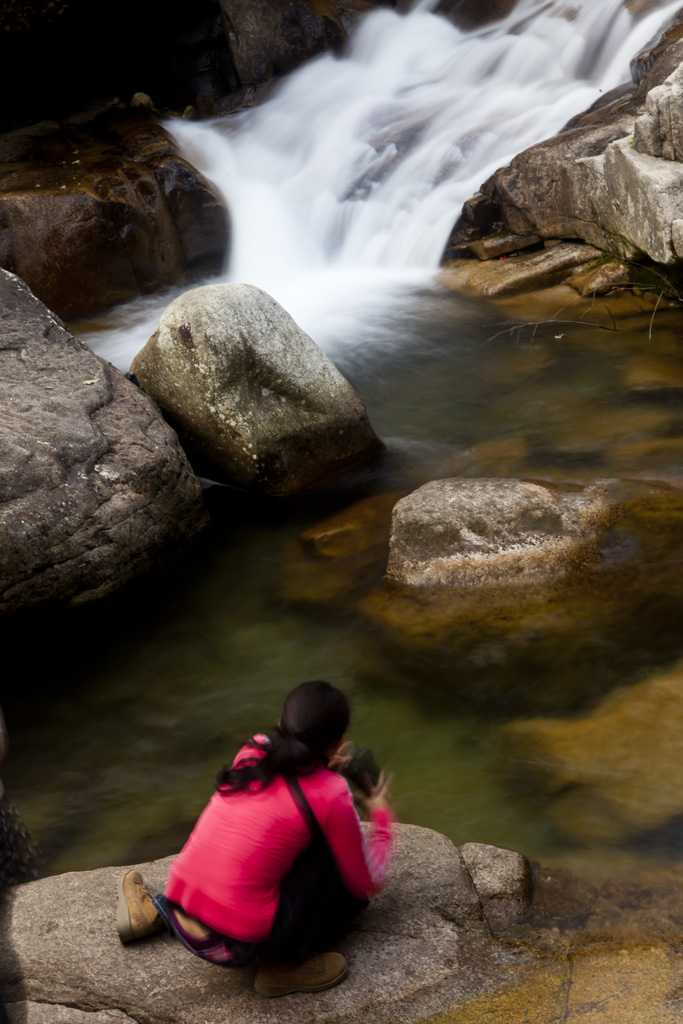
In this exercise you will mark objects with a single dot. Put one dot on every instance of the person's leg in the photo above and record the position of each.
(136, 913)
(217, 948)
(315, 908)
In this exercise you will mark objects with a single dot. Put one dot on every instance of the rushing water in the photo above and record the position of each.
(343, 189)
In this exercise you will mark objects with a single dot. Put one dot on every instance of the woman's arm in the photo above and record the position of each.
(364, 861)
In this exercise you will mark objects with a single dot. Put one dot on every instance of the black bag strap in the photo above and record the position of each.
(304, 806)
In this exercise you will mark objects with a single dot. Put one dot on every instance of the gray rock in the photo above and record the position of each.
(503, 882)
(94, 488)
(50, 1013)
(421, 948)
(255, 401)
(466, 533)
(611, 177)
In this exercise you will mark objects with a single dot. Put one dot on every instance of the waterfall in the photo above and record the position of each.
(344, 186)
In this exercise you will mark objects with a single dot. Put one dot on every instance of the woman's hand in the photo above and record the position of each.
(341, 759)
(377, 797)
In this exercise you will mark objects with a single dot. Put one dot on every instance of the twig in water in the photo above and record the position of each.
(652, 318)
(543, 323)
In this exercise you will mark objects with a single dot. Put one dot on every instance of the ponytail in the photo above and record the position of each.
(314, 717)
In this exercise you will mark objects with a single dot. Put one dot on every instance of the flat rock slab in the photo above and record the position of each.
(94, 487)
(514, 274)
(422, 947)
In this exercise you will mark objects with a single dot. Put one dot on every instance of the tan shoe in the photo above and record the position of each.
(313, 975)
(136, 915)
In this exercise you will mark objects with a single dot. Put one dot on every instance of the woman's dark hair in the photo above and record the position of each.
(315, 715)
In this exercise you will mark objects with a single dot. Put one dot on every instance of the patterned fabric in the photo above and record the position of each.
(219, 949)
(18, 856)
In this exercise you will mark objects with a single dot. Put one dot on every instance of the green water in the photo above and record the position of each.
(122, 713)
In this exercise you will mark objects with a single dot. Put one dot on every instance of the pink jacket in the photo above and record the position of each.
(228, 873)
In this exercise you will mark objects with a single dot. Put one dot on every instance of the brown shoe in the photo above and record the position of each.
(136, 915)
(313, 975)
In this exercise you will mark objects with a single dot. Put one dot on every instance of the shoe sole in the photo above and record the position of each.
(272, 991)
(123, 925)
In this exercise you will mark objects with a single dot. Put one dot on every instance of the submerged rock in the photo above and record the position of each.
(465, 533)
(469, 14)
(340, 555)
(256, 402)
(94, 488)
(614, 772)
(96, 212)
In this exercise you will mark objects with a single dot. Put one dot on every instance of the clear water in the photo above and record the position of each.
(127, 710)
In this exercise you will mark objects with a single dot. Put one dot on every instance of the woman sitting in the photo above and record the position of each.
(277, 864)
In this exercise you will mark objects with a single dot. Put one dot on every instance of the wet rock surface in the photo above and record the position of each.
(95, 212)
(255, 401)
(94, 488)
(268, 38)
(524, 272)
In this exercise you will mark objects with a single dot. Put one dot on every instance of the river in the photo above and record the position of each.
(343, 189)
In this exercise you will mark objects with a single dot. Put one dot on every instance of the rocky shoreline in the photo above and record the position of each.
(464, 934)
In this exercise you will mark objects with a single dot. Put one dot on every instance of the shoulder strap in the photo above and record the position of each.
(304, 806)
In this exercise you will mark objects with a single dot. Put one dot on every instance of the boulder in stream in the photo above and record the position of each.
(470, 533)
(422, 947)
(94, 487)
(268, 38)
(256, 402)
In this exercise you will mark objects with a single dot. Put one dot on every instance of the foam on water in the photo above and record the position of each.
(344, 186)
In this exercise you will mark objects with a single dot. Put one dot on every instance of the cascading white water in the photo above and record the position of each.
(344, 186)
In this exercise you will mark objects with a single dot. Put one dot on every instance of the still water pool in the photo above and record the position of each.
(122, 713)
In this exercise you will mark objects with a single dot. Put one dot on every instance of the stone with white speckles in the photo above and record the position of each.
(256, 403)
(94, 487)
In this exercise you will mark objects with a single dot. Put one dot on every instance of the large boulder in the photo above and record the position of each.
(468, 533)
(612, 773)
(422, 951)
(94, 488)
(422, 948)
(256, 403)
(94, 213)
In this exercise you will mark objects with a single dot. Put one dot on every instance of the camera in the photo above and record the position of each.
(362, 771)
